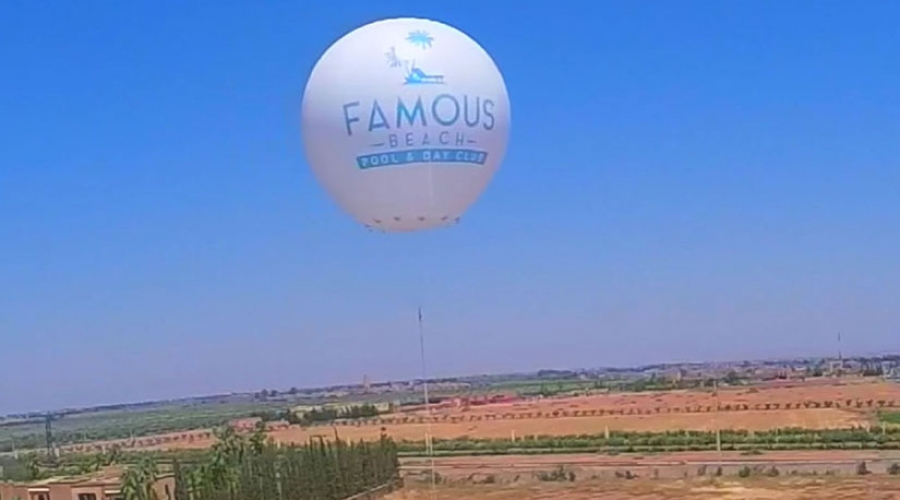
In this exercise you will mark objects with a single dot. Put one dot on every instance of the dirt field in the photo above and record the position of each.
(818, 404)
(844, 394)
(557, 426)
(563, 426)
(833, 488)
(852, 402)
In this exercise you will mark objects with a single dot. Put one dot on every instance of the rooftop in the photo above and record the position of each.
(108, 476)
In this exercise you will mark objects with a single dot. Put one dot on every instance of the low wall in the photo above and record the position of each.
(378, 491)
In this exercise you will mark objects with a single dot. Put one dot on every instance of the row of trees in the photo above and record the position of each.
(782, 439)
(249, 468)
(599, 412)
(320, 415)
(241, 467)
(654, 382)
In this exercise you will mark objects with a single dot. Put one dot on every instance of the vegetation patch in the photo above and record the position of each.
(249, 467)
(748, 443)
(889, 417)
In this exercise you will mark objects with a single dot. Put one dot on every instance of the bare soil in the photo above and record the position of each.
(516, 468)
(832, 488)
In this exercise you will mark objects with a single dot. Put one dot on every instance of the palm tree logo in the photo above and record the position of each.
(414, 74)
(420, 38)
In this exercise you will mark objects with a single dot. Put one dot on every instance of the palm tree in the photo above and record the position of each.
(99, 461)
(258, 438)
(229, 445)
(113, 455)
(138, 482)
(228, 454)
(393, 60)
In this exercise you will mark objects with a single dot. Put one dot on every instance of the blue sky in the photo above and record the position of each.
(684, 181)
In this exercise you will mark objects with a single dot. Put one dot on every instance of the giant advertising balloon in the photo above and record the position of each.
(405, 121)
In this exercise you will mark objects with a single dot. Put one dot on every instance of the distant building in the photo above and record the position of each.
(103, 485)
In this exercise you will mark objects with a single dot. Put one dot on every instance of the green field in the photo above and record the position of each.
(891, 417)
(123, 423)
(142, 420)
(669, 442)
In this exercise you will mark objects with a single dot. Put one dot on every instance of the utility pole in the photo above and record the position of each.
(840, 357)
(429, 449)
(718, 426)
(48, 434)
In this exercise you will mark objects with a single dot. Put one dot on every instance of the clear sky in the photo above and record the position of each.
(685, 181)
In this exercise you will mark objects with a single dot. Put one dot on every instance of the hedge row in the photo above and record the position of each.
(643, 442)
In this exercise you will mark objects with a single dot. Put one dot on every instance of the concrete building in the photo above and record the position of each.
(103, 485)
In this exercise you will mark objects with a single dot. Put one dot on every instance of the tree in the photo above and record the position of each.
(258, 438)
(138, 481)
(100, 461)
(315, 471)
(113, 456)
(731, 378)
(226, 455)
(32, 466)
(182, 483)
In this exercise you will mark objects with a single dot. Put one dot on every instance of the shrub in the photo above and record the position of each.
(558, 474)
(894, 470)
(744, 472)
(861, 469)
(773, 472)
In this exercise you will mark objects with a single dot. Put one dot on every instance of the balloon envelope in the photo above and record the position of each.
(404, 123)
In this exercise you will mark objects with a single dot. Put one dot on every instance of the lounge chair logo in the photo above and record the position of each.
(414, 75)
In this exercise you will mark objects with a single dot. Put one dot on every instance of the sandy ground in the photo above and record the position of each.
(564, 426)
(832, 488)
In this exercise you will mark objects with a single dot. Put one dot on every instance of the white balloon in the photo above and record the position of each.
(405, 121)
